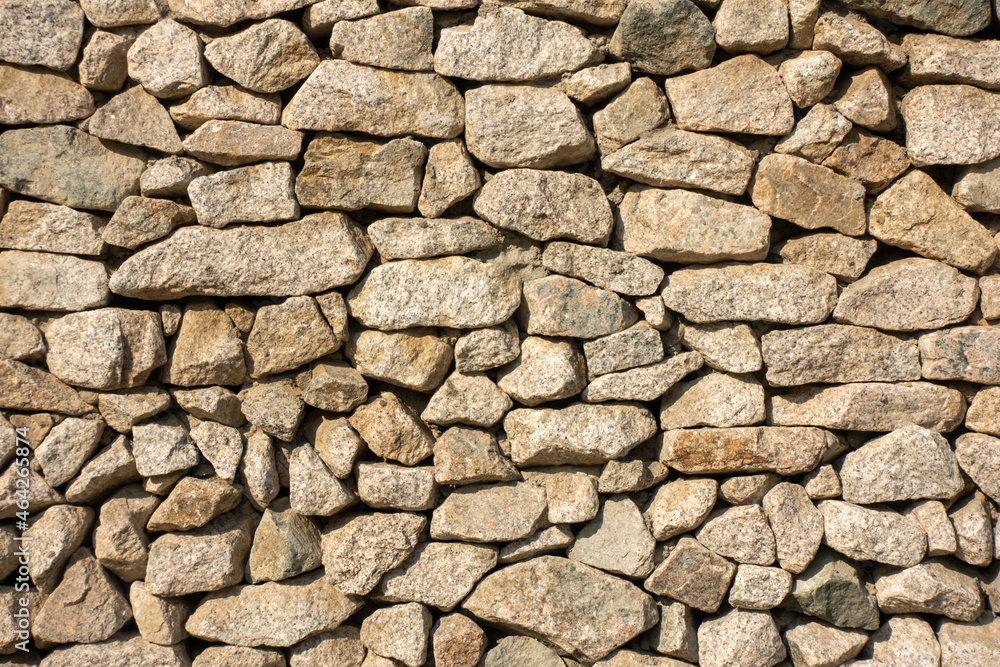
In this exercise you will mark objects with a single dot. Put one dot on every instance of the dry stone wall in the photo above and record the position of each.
(547, 333)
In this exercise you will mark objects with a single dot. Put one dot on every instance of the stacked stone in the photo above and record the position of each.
(548, 333)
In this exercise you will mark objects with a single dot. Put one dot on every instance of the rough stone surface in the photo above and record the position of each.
(787, 451)
(664, 37)
(869, 534)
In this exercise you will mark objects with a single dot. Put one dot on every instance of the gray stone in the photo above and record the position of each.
(566, 603)
(760, 588)
(65, 166)
(616, 540)
(522, 652)
(976, 187)
(755, 26)
(692, 574)
(546, 370)
(490, 513)
(743, 94)
(941, 59)
(796, 523)
(226, 102)
(786, 451)
(961, 353)
(638, 345)
(579, 434)
(523, 126)
(668, 157)
(266, 57)
(809, 76)
(869, 534)
(66, 447)
(313, 489)
(386, 486)
(599, 12)
(285, 544)
(380, 102)
(359, 548)
(664, 37)
(166, 60)
(951, 124)
(399, 39)
(908, 295)
(419, 238)
(534, 48)
(560, 306)
(689, 227)
(910, 463)
(47, 34)
(449, 177)
(724, 346)
(171, 176)
(127, 648)
(162, 446)
(553, 538)
(973, 530)
(930, 588)
(741, 533)
(781, 293)
(259, 193)
(960, 19)
(835, 353)
(400, 632)
(414, 359)
(306, 256)
(224, 13)
(832, 589)
(854, 41)
(613, 270)
(467, 456)
(453, 292)
(870, 406)
(748, 638)
(545, 205)
(490, 347)
(104, 65)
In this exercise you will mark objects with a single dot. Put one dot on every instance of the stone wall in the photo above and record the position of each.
(552, 333)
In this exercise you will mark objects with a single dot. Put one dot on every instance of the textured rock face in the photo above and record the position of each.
(504, 334)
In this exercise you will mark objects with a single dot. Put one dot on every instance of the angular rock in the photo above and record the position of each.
(122, 411)
(675, 636)
(937, 229)
(616, 540)
(810, 76)
(399, 39)
(120, 540)
(689, 227)
(380, 102)
(20, 340)
(572, 498)
(337, 444)
(449, 177)
(166, 60)
(25, 388)
(483, 349)
(419, 238)
(285, 545)
(287, 335)
(870, 406)
(226, 102)
(313, 489)
(976, 187)
(910, 463)
(961, 353)
(786, 451)
(872, 159)
(740, 637)
(645, 383)
(796, 523)
(960, 19)
(266, 57)
(680, 506)
(160, 620)
(553, 538)
(565, 603)
(458, 642)
(743, 94)
(52, 539)
(225, 13)
(832, 589)
(127, 648)
(965, 645)
(65, 166)
(868, 534)
(941, 59)
(817, 134)
(642, 107)
(65, 449)
(545, 205)
(809, 195)
(306, 256)
(399, 632)
(438, 574)
(242, 615)
(908, 295)
(414, 359)
(466, 456)
(359, 548)
(906, 640)
(692, 574)
(747, 489)
(341, 172)
(933, 518)
(109, 469)
(452, 292)
(576, 435)
(836, 254)
(259, 193)
(104, 65)
(664, 37)
(467, 399)
(930, 588)
(866, 99)
(161, 447)
(339, 647)
(760, 588)
(668, 157)
(546, 370)
(814, 643)
(140, 220)
(975, 454)
(192, 503)
(638, 345)
(48, 34)
(781, 293)
(855, 42)
(521, 652)
(559, 306)
(741, 533)
(392, 430)
(206, 350)
(724, 346)
(258, 470)
(335, 387)
(534, 48)
(951, 124)
(135, 117)
(490, 513)
(171, 176)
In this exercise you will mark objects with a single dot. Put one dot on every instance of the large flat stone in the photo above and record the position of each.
(450, 292)
(781, 293)
(583, 611)
(44, 281)
(962, 353)
(63, 165)
(303, 257)
(869, 534)
(960, 18)
(787, 451)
